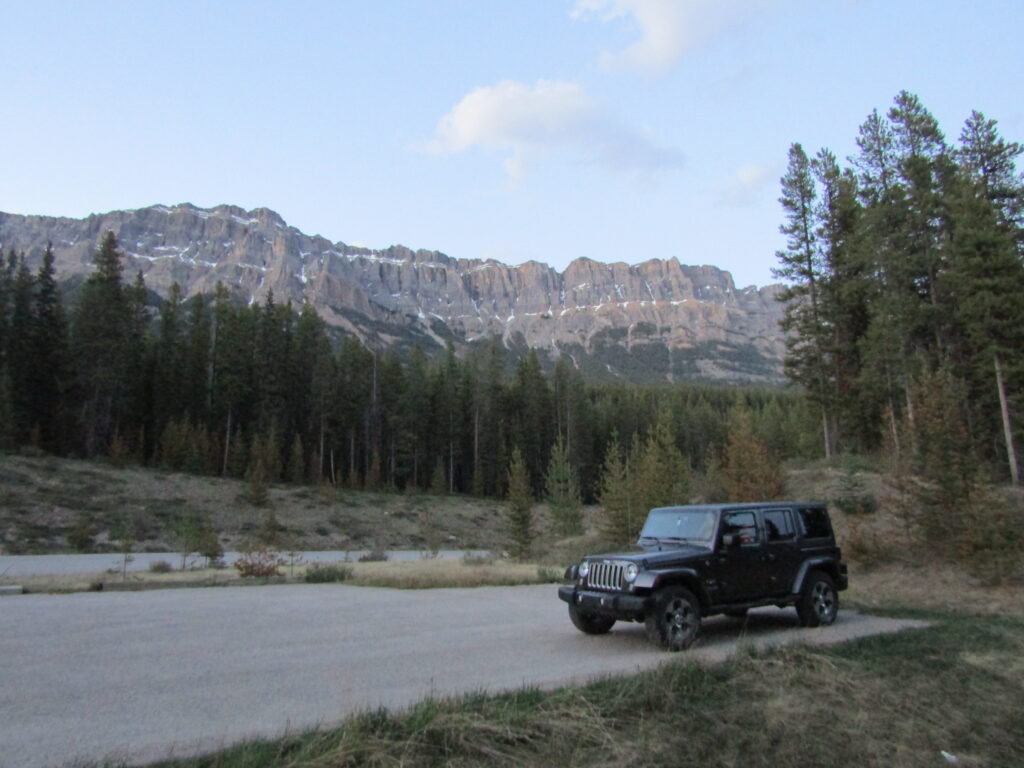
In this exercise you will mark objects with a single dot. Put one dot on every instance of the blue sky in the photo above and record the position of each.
(620, 130)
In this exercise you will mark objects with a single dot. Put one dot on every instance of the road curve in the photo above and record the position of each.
(140, 676)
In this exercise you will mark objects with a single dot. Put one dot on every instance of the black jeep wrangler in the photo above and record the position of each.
(702, 560)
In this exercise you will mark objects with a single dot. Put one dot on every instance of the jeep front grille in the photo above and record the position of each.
(605, 575)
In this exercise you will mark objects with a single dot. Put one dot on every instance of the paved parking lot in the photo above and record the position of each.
(138, 676)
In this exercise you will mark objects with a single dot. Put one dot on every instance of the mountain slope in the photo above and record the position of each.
(658, 320)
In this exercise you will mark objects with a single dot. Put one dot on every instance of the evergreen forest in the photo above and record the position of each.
(905, 299)
(211, 386)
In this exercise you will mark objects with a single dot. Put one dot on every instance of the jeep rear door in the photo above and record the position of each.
(781, 550)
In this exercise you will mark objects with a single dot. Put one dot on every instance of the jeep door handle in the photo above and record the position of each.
(768, 558)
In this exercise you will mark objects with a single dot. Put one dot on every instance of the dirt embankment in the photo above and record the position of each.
(42, 500)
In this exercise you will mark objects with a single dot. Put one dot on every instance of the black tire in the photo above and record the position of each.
(674, 621)
(739, 613)
(818, 604)
(590, 623)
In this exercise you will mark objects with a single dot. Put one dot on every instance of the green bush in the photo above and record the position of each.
(323, 573)
(160, 566)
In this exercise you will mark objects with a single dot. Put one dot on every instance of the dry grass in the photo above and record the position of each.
(426, 574)
(933, 587)
(417, 574)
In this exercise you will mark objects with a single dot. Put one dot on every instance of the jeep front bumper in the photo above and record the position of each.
(615, 604)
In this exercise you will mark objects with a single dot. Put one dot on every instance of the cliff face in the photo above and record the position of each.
(659, 320)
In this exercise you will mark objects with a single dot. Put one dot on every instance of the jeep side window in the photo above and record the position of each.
(741, 524)
(778, 525)
(814, 523)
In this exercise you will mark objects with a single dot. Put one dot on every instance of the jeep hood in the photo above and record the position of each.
(658, 555)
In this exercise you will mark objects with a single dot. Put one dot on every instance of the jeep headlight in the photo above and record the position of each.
(631, 573)
(584, 569)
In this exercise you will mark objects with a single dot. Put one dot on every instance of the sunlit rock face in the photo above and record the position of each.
(657, 320)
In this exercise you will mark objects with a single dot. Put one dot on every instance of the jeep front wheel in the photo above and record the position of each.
(674, 620)
(589, 623)
(819, 601)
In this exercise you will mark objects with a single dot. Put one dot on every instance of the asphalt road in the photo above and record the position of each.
(139, 676)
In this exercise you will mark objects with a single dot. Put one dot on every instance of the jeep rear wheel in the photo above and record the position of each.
(674, 620)
(819, 602)
(589, 623)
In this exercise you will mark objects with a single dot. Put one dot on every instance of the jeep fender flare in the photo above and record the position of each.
(810, 563)
(684, 577)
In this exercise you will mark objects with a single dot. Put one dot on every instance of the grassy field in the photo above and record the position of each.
(893, 700)
(416, 574)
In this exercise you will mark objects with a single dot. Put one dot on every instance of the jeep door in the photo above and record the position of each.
(781, 550)
(740, 569)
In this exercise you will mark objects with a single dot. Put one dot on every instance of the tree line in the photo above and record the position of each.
(905, 277)
(216, 386)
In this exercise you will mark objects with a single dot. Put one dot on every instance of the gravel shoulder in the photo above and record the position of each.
(141, 676)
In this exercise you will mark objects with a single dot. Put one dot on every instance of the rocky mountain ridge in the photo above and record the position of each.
(657, 320)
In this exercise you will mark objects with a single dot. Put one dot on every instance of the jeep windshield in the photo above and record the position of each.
(678, 525)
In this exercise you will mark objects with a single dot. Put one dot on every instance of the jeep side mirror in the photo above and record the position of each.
(730, 540)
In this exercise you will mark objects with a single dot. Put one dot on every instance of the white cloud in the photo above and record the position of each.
(531, 121)
(669, 29)
(746, 183)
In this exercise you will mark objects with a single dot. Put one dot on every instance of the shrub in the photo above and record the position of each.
(486, 558)
(160, 566)
(323, 573)
(375, 555)
(548, 575)
(80, 535)
(853, 497)
(259, 563)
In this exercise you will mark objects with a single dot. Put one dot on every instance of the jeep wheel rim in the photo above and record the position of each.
(680, 619)
(824, 600)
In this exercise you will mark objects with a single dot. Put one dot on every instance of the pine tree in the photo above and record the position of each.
(439, 481)
(519, 516)
(621, 517)
(563, 492)
(232, 380)
(991, 162)
(944, 460)
(6, 417)
(23, 365)
(803, 268)
(100, 345)
(532, 418)
(170, 383)
(259, 475)
(198, 362)
(663, 476)
(986, 283)
(50, 336)
(748, 471)
(296, 471)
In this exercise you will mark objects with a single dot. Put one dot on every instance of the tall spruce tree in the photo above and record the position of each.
(100, 348)
(50, 338)
(21, 358)
(803, 269)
